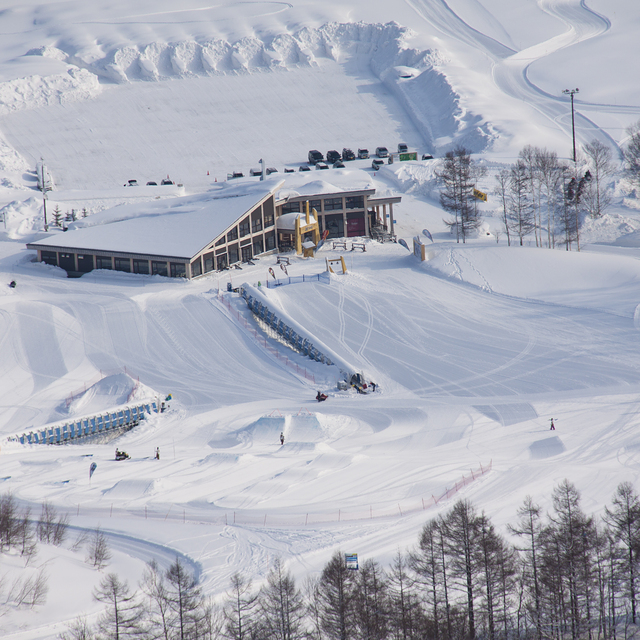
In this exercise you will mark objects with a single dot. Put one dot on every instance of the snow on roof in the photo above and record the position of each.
(287, 222)
(342, 180)
(178, 227)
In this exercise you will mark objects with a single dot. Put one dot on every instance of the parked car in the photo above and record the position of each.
(255, 172)
(304, 167)
(271, 170)
(363, 154)
(321, 165)
(338, 164)
(347, 155)
(167, 181)
(376, 164)
(131, 183)
(315, 156)
(289, 170)
(402, 148)
(427, 156)
(235, 174)
(151, 183)
(332, 156)
(382, 152)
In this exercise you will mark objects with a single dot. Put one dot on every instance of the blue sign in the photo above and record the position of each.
(92, 468)
(351, 561)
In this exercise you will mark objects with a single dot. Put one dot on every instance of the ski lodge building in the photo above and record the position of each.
(195, 235)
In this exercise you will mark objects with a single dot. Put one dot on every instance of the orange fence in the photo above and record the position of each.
(217, 516)
(261, 340)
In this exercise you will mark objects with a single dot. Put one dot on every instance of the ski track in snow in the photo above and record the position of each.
(510, 68)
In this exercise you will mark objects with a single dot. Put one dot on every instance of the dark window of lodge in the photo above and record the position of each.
(208, 262)
(332, 204)
(257, 246)
(233, 234)
(247, 254)
(267, 208)
(244, 228)
(335, 225)
(103, 262)
(141, 266)
(271, 241)
(234, 256)
(85, 263)
(256, 225)
(221, 261)
(67, 261)
(159, 268)
(122, 264)
(354, 202)
(178, 270)
(315, 204)
(49, 257)
(290, 207)
(196, 268)
(221, 241)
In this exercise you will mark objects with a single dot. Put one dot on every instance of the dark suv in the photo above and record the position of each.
(333, 156)
(315, 156)
(347, 154)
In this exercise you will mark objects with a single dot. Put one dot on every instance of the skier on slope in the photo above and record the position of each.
(321, 397)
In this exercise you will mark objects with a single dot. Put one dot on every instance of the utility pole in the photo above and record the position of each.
(44, 206)
(572, 92)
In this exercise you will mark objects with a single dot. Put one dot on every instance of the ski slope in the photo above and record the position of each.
(473, 351)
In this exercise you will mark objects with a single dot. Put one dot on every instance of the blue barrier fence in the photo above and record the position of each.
(323, 277)
(89, 426)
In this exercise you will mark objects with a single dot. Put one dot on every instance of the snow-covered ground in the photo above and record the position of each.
(473, 351)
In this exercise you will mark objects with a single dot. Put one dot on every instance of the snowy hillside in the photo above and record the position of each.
(472, 351)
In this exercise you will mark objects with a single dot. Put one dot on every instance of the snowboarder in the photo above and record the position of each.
(321, 397)
(553, 426)
(373, 386)
(281, 438)
(157, 453)
(12, 284)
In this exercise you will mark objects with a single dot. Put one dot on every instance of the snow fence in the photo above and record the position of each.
(293, 333)
(126, 417)
(213, 515)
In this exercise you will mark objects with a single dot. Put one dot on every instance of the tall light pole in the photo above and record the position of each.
(572, 92)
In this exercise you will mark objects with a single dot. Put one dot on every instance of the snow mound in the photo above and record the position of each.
(130, 488)
(303, 428)
(546, 448)
(411, 74)
(111, 391)
(37, 91)
(22, 217)
(508, 414)
(163, 60)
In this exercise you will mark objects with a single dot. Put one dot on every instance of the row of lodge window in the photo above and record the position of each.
(240, 243)
(330, 204)
(83, 263)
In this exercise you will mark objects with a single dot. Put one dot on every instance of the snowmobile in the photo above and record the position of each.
(122, 455)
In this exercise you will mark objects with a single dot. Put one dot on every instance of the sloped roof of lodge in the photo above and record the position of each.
(175, 227)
